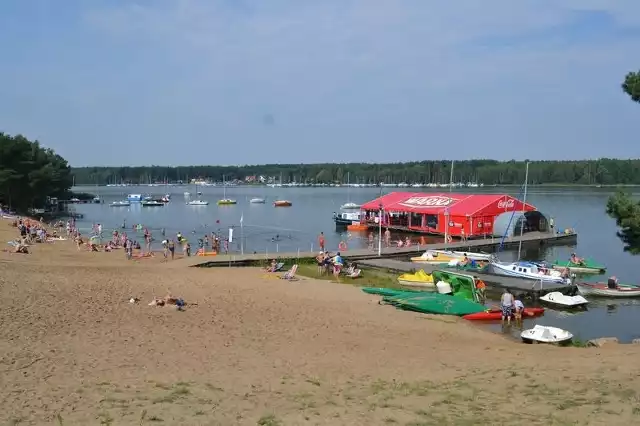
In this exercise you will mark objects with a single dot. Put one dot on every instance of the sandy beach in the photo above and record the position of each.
(257, 350)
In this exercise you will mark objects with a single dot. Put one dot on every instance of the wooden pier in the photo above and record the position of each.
(489, 245)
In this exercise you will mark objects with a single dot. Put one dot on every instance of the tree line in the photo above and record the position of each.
(621, 206)
(603, 171)
(30, 173)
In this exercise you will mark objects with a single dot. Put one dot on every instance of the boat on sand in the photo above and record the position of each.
(544, 334)
(558, 299)
(586, 266)
(456, 284)
(434, 303)
(419, 279)
(603, 290)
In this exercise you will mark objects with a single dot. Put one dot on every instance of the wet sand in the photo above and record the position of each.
(260, 350)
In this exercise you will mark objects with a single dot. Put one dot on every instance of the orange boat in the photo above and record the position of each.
(357, 227)
(206, 253)
(282, 203)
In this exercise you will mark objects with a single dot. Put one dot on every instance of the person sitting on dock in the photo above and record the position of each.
(612, 283)
(464, 261)
(576, 260)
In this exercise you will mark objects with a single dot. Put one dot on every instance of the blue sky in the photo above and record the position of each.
(118, 82)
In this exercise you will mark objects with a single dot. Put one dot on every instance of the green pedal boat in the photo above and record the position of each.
(587, 266)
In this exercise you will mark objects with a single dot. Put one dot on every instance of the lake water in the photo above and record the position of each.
(269, 230)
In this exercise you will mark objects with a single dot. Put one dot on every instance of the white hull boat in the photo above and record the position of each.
(529, 271)
(198, 203)
(257, 201)
(120, 204)
(602, 290)
(559, 299)
(544, 334)
(486, 257)
(350, 206)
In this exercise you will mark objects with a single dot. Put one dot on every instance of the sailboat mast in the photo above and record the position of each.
(451, 177)
(524, 203)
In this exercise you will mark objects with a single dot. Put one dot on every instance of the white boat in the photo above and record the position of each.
(120, 204)
(530, 271)
(344, 219)
(350, 206)
(152, 203)
(96, 200)
(603, 290)
(257, 200)
(134, 197)
(198, 203)
(187, 194)
(544, 334)
(486, 257)
(557, 298)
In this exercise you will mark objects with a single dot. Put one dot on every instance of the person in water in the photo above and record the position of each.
(506, 305)
(519, 310)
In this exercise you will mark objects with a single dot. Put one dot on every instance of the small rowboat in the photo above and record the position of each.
(496, 314)
(587, 266)
(282, 203)
(603, 290)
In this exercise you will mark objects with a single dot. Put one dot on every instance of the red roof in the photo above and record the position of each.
(454, 204)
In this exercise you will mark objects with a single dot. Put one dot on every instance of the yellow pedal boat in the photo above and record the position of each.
(419, 279)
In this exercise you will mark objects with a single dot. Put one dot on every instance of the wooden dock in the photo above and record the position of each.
(488, 245)
(532, 287)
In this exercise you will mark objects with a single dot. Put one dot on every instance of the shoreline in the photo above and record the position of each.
(258, 349)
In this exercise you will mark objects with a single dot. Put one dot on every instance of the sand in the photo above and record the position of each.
(257, 350)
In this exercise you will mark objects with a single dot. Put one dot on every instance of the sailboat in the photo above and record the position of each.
(198, 202)
(225, 201)
(349, 205)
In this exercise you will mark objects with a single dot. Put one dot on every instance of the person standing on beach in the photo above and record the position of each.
(506, 305)
(171, 245)
(321, 241)
(128, 248)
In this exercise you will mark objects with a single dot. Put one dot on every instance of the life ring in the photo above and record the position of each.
(342, 246)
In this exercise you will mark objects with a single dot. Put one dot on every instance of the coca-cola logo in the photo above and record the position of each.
(506, 204)
(434, 201)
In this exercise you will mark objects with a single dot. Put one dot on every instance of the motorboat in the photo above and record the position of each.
(545, 334)
(120, 204)
(420, 279)
(198, 203)
(226, 202)
(344, 219)
(603, 290)
(282, 203)
(257, 200)
(152, 203)
(350, 206)
(96, 200)
(134, 197)
(529, 271)
(485, 257)
(559, 299)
